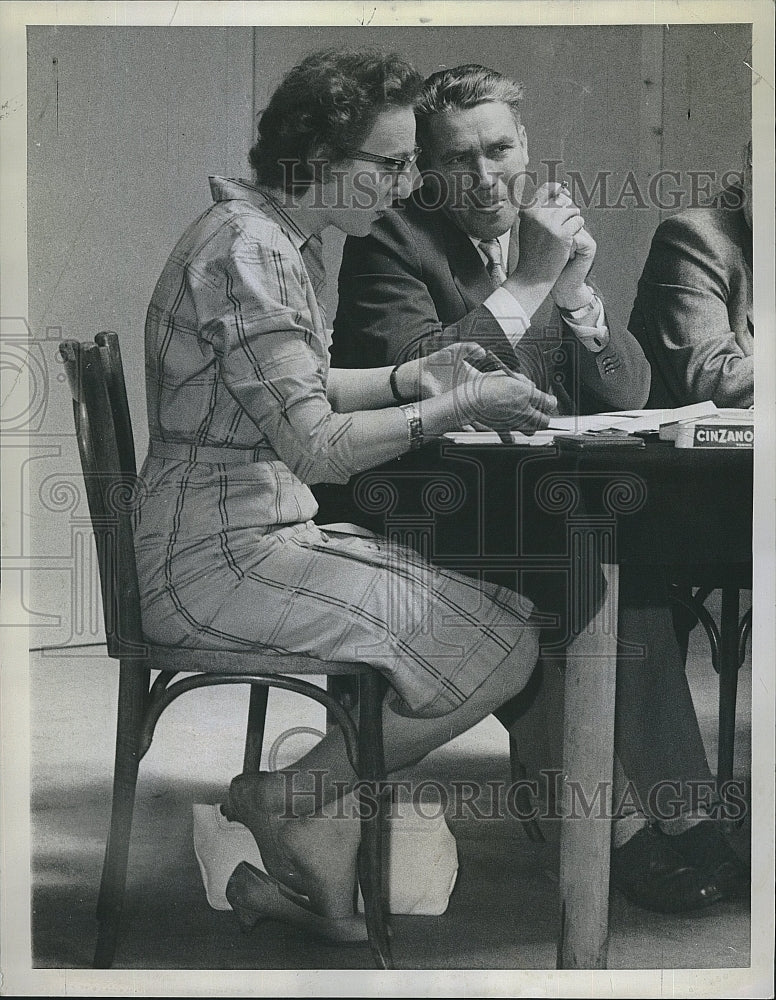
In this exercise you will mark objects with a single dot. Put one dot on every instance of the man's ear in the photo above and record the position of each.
(523, 140)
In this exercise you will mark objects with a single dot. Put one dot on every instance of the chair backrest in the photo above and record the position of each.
(107, 451)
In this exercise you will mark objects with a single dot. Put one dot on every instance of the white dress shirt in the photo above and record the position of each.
(588, 323)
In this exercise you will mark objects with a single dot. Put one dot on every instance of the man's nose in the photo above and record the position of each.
(485, 173)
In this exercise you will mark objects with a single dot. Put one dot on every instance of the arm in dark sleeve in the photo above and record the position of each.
(682, 306)
(386, 313)
(615, 378)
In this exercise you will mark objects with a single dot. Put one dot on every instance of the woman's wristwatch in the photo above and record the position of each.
(414, 424)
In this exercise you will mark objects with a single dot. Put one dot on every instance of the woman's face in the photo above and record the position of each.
(359, 190)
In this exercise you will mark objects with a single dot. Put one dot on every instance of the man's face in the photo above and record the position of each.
(481, 154)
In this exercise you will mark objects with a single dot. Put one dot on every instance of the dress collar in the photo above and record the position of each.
(267, 199)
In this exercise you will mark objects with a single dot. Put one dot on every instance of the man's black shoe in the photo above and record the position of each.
(706, 847)
(649, 873)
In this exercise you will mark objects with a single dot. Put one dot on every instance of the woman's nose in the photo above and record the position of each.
(408, 182)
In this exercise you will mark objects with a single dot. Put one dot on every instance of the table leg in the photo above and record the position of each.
(588, 754)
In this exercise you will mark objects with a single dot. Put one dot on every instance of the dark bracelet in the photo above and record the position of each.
(395, 389)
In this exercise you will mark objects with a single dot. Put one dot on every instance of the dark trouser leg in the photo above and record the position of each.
(657, 737)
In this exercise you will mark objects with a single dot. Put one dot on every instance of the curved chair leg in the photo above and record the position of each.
(695, 606)
(683, 619)
(345, 690)
(371, 870)
(728, 682)
(257, 718)
(744, 631)
(133, 692)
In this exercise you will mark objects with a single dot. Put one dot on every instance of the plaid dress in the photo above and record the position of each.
(228, 554)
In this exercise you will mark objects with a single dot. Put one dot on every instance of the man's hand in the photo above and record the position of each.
(570, 290)
(548, 227)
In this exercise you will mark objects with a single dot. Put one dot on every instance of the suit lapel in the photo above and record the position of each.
(466, 266)
(474, 285)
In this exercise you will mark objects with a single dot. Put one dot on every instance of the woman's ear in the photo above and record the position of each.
(322, 160)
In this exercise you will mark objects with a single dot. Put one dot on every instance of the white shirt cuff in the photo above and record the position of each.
(509, 314)
(588, 324)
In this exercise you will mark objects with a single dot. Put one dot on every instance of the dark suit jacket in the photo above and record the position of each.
(693, 310)
(417, 283)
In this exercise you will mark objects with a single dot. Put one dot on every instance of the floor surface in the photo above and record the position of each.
(502, 913)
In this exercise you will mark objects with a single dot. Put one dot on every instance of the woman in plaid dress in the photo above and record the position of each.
(244, 413)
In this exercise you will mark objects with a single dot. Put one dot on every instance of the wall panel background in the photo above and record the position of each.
(124, 126)
(608, 99)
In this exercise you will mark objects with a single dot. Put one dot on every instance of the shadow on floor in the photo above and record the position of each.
(502, 913)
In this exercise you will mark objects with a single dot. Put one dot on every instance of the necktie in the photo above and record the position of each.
(495, 265)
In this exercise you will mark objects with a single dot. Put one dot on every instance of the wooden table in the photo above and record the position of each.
(528, 514)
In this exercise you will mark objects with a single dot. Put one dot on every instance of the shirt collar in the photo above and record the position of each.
(228, 189)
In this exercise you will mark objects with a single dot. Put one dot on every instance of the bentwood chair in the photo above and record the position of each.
(727, 641)
(107, 454)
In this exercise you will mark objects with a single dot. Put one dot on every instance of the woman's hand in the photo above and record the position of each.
(503, 402)
(484, 400)
(439, 372)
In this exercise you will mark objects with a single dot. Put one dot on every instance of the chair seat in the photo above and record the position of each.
(224, 661)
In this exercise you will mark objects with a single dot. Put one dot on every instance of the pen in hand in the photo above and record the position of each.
(493, 362)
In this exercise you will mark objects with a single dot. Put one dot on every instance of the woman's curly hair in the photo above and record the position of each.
(325, 105)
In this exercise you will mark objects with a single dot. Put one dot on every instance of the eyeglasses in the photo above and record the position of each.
(400, 166)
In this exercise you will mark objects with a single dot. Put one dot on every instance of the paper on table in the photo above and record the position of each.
(559, 426)
(491, 437)
(670, 432)
(630, 420)
(650, 420)
(627, 420)
(579, 423)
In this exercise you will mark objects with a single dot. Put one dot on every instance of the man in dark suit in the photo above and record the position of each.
(462, 261)
(693, 310)
(433, 256)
